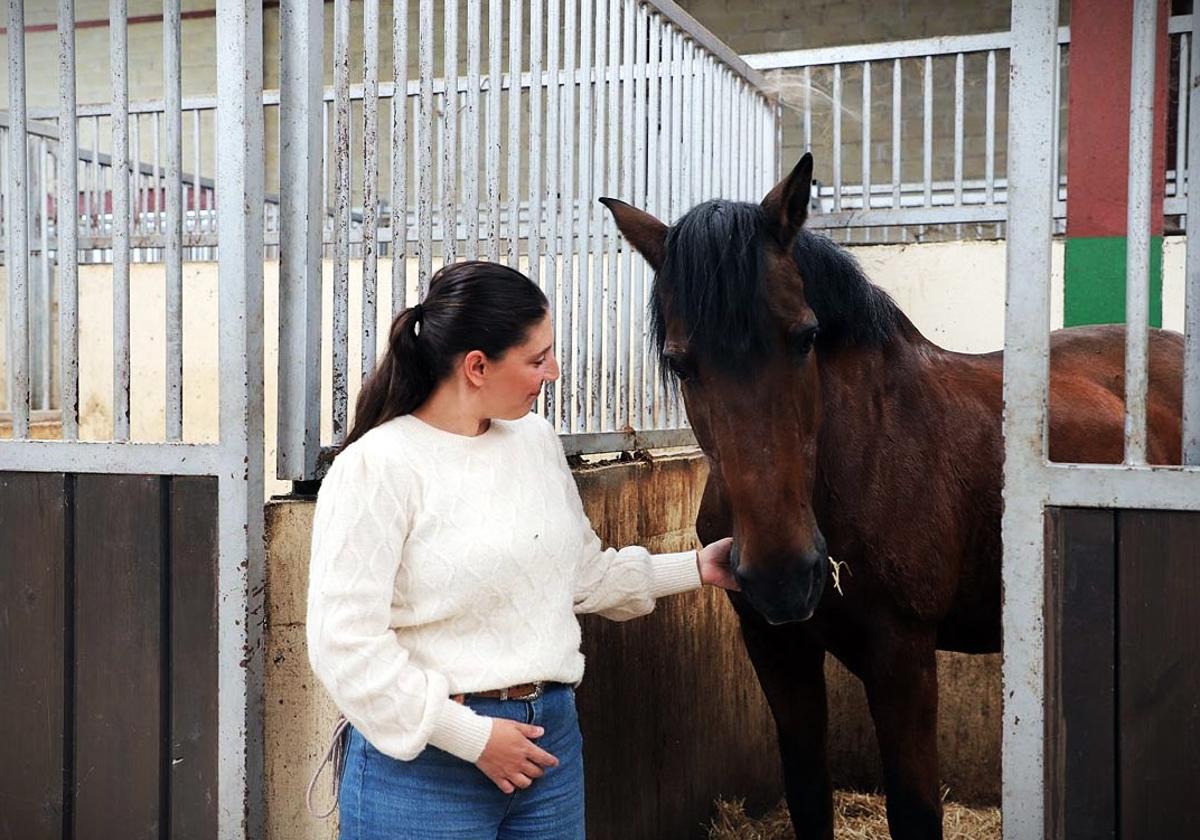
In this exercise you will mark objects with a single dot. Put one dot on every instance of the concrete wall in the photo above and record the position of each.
(689, 648)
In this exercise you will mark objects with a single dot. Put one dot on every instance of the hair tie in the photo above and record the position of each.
(418, 313)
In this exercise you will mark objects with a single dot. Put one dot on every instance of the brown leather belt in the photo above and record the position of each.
(524, 691)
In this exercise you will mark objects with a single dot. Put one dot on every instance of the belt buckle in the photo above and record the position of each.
(538, 690)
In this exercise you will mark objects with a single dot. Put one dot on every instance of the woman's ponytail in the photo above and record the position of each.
(470, 305)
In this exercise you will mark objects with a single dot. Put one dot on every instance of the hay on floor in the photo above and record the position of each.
(857, 816)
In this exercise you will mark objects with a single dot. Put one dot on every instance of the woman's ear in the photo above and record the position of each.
(474, 367)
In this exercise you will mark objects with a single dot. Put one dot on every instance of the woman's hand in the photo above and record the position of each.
(713, 560)
(511, 759)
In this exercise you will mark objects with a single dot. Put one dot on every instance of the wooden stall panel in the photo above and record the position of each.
(34, 646)
(119, 574)
(1081, 698)
(193, 703)
(1158, 658)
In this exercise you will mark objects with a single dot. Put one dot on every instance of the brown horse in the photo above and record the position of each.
(835, 431)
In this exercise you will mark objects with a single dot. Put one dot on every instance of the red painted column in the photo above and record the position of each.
(1098, 161)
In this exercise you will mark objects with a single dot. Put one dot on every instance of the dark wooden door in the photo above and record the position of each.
(1123, 674)
(108, 644)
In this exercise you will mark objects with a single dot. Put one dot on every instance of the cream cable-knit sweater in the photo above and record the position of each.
(444, 564)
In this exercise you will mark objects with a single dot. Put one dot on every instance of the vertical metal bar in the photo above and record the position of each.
(584, 200)
(990, 130)
(897, 132)
(707, 133)
(637, 277)
(837, 137)
(566, 318)
(679, 160)
(341, 220)
(399, 200)
(808, 109)
(1137, 267)
(424, 150)
(240, 572)
(626, 417)
(135, 174)
(514, 127)
(470, 200)
(550, 229)
(17, 248)
(536, 84)
(724, 121)
(495, 74)
(68, 223)
(958, 129)
(596, 281)
(612, 284)
(44, 303)
(1191, 360)
(197, 196)
(155, 173)
(301, 89)
(927, 134)
(118, 58)
(866, 135)
(97, 181)
(1181, 115)
(650, 402)
(450, 135)
(370, 224)
(173, 188)
(1057, 163)
(1026, 377)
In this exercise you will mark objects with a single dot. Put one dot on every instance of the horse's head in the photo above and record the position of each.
(733, 325)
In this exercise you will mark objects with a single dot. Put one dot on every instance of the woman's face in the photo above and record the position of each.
(515, 380)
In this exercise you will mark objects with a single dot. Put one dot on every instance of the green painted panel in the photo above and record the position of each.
(1094, 281)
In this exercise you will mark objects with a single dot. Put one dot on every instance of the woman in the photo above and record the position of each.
(450, 555)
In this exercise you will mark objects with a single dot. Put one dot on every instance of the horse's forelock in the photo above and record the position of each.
(711, 284)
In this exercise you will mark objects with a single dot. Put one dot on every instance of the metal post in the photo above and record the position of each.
(68, 224)
(301, 88)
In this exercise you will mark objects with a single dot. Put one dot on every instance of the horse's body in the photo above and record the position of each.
(898, 477)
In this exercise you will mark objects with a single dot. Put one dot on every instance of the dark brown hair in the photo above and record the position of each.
(470, 306)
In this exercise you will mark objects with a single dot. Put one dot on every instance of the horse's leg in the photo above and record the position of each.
(901, 682)
(789, 662)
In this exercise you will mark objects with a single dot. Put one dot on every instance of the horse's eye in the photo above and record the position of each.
(678, 366)
(801, 338)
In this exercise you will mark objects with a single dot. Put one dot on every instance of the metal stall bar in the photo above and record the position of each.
(495, 74)
(866, 135)
(534, 244)
(68, 224)
(173, 188)
(1137, 265)
(548, 230)
(583, 323)
(17, 247)
(302, 50)
(424, 149)
(119, 59)
(398, 221)
(897, 116)
(240, 573)
(990, 131)
(613, 367)
(566, 315)
(370, 210)
(1031, 145)
(471, 140)
(340, 344)
(1191, 367)
(514, 130)
(596, 286)
(450, 133)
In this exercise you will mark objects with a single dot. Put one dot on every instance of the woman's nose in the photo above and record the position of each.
(553, 372)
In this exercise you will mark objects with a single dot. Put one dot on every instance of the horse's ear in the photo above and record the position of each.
(643, 231)
(787, 203)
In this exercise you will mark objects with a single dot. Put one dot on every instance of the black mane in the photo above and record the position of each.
(712, 281)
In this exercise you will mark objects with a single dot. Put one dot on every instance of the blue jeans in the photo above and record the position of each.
(437, 796)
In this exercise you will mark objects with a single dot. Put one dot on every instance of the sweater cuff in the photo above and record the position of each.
(461, 732)
(674, 573)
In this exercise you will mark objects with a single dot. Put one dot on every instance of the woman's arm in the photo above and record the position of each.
(359, 528)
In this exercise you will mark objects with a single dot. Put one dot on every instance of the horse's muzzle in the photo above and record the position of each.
(784, 590)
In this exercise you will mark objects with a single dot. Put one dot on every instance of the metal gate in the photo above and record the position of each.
(235, 462)
(1033, 484)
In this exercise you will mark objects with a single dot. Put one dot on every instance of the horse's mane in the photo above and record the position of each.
(712, 281)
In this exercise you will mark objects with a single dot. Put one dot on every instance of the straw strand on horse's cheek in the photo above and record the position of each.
(835, 569)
